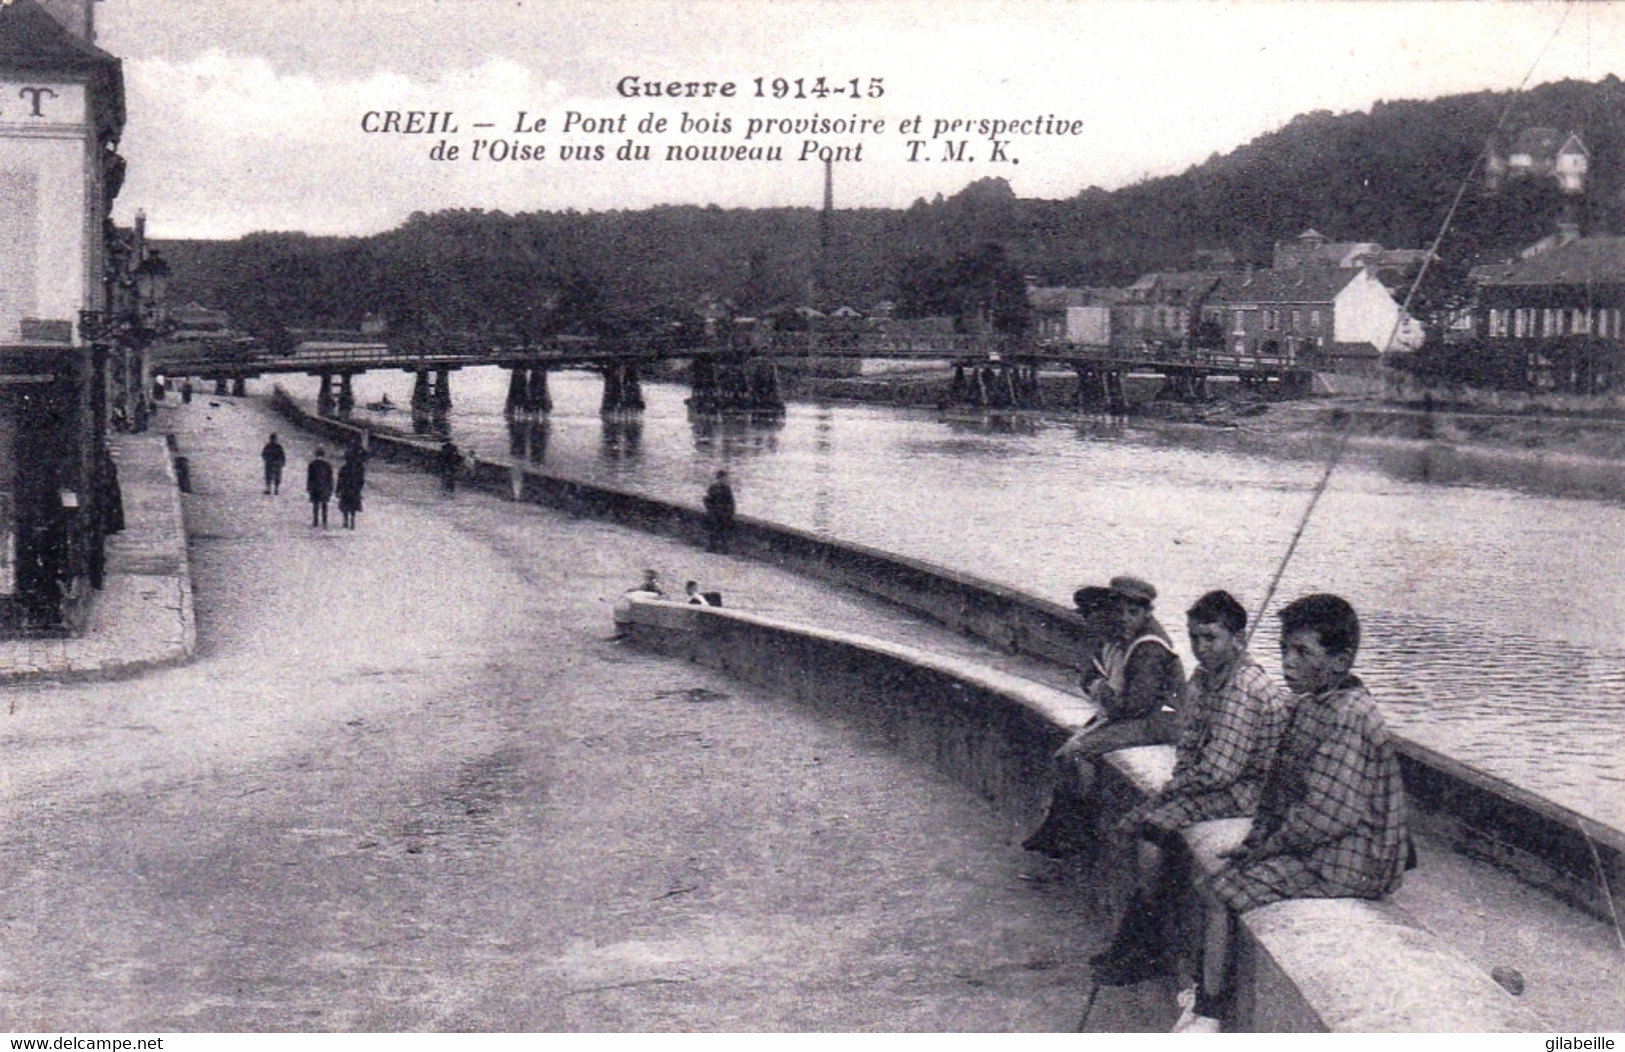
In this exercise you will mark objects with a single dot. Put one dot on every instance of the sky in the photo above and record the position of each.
(251, 115)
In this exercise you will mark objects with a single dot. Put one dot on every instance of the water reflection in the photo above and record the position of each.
(620, 437)
(527, 439)
(822, 469)
(1495, 614)
(729, 435)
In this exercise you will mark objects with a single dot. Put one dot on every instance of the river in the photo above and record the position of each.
(1494, 614)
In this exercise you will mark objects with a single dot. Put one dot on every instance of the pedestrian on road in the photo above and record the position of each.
(319, 485)
(352, 477)
(719, 513)
(450, 463)
(186, 392)
(274, 456)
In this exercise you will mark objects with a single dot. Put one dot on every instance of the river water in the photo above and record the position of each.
(1494, 614)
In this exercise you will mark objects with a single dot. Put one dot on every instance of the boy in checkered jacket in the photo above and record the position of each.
(1231, 719)
(1331, 814)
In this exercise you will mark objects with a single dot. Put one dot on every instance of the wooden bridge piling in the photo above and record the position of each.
(324, 395)
(346, 398)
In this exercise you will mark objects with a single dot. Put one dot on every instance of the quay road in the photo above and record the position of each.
(409, 783)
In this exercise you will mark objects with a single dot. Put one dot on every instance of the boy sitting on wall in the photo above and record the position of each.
(1232, 719)
(1135, 677)
(1331, 815)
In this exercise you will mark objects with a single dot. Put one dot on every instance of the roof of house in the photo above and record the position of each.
(1537, 142)
(1174, 286)
(1586, 260)
(1295, 285)
(31, 38)
(1312, 248)
(1059, 297)
(1574, 144)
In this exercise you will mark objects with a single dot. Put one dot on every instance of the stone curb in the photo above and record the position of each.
(138, 622)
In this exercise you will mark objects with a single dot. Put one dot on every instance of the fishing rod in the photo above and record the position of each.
(1399, 319)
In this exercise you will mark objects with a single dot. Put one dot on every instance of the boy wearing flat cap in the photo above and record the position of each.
(1133, 679)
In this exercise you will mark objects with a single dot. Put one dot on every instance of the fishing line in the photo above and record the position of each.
(1403, 312)
(1303, 523)
(1461, 191)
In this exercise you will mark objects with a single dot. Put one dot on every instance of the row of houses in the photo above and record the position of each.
(1322, 303)
(1552, 319)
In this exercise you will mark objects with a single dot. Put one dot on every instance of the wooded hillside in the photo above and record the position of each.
(1387, 176)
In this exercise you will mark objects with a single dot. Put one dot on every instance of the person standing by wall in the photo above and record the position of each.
(449, 463)
(352, 477)
(319, 486)
(719, 513)
(274, 457)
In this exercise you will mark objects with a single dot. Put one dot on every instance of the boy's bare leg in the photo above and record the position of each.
(1216, 943)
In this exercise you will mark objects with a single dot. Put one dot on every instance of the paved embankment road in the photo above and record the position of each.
(410, 783)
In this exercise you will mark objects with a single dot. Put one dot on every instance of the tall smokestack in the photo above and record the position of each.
(826, 238)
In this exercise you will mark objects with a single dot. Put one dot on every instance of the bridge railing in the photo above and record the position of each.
(459, 350)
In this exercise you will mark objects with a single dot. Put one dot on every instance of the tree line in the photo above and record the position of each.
(1388, 175)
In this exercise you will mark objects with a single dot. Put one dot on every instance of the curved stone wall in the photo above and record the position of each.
(1474, 812)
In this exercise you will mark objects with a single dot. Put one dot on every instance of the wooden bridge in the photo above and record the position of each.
(737, 373)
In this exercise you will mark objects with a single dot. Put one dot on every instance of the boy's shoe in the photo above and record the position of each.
(1189, 1022)
(1197, 1024)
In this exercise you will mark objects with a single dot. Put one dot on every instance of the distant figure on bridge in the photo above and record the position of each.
(352, 477)
(274, 457)
(449, 463)
(650, 586)
(719, 513)
(319, 485)
(1136, 682)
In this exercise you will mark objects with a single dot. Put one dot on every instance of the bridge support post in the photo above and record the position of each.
(623, 393)
(537, 399)
(239, 387)
(324, 396)
(420, 394)
(702, 384)
(440, 400)
(421, 402)
(346, 402)
(764, 386)
(611, 401)
(1032, 394)
(518, 394)
(1007, 386)
(631, 388)
(1112, 386)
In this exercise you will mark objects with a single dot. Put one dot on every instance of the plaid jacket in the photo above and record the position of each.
(1333, 796)
(1230, 724)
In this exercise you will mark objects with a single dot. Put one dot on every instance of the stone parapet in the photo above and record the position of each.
(1485, 817)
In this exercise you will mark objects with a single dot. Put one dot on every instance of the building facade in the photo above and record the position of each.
(1554, 321)
(61, 114)
(1331, 318)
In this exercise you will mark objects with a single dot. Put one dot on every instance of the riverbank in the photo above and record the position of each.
(1552, 446)
(1552, 946)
